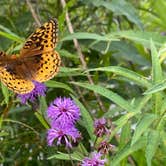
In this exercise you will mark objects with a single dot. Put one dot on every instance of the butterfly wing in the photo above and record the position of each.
(44, 39)
(10, 76)
(49, 66)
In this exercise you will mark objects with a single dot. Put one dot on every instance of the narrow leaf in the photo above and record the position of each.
(152, 144)
(87, 118)
(42, 120)
(127, 150)
(55, 84)
(156, 66)
(142, 126)
(85, 35)
(156, 88)
(141, 37)
(5, 93)
(65, 156)
(137, 78)
(108, 94)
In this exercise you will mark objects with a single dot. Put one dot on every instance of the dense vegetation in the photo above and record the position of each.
(113, 67)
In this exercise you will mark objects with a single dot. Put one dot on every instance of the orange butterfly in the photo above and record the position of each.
(37, 60)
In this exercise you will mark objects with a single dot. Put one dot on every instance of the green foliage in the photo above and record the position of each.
(117, 71)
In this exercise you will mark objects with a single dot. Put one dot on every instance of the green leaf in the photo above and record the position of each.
(87, 118)
(142, 126)
(121, 50)
(67, 72)
(43, 104)
(121, 122)
(142, 104)
(3, 133)
(5, 93)
(137, 78)
(63, 156)
(157, 76)
(42, 120)
(156, 88)
(160, 8)
(127, 150)
(65, 53)
(85, 35)
(55, 84)
(121, 7)
(10, 35)
(152, 144)
(125, 135)
(156, 66)
(108, 94)
(141, 37)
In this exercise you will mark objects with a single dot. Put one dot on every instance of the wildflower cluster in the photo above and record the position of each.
(96, 158)
(63, 114)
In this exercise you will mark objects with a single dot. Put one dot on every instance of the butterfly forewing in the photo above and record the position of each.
(44, 39)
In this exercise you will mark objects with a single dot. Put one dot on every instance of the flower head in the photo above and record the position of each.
(64, 135)
(100, 127)
(95, 160)
(39, 90)
(105, 147)
(63, 110)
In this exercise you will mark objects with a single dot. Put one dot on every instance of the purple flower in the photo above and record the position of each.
(95, 160)
(64, 135)
(39, 90)
(63, 110)
(100, 127)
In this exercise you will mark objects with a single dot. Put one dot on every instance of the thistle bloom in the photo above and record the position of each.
(105, 147)
(66, 135)
(95, 160)
(63, 110)
(39, 90)
(100, 127)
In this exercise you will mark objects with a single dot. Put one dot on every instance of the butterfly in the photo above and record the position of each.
(37, 61)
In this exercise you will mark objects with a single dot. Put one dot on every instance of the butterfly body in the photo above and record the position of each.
(37, 60)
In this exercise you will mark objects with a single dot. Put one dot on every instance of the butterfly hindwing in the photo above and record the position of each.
(11, 78)
(47, 66)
